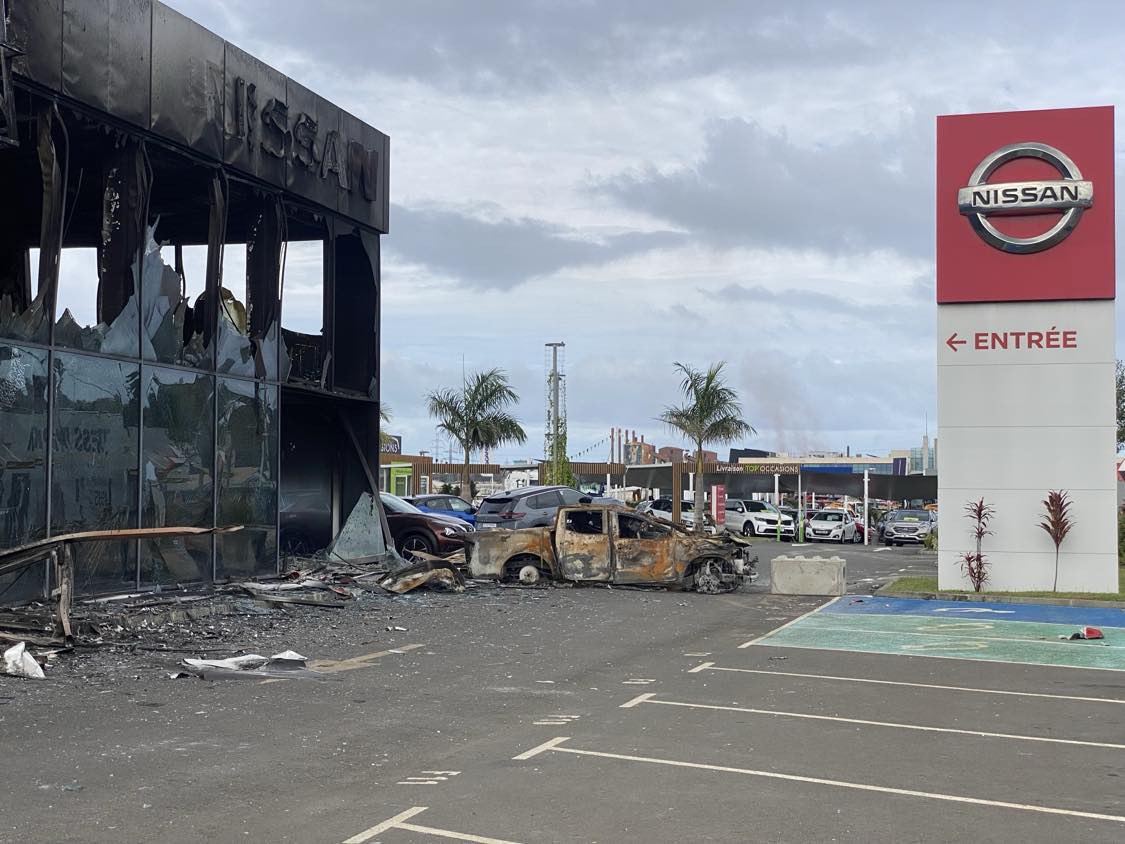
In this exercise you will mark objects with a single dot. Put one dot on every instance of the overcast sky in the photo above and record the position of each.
(659, 181)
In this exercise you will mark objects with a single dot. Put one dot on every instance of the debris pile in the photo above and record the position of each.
(1086, 632)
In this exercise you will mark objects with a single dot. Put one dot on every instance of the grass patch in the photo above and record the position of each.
(930, 584)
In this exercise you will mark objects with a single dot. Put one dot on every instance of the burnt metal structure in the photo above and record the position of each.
(189, 298)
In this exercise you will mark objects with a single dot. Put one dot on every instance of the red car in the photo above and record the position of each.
(413, 530)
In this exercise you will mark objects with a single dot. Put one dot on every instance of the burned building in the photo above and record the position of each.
(189, 297)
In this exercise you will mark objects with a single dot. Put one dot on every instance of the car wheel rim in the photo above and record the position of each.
(709, 578)
(412, 544)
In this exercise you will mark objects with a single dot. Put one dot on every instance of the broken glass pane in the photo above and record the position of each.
(303, 312)
(21, 316)
(79, 325)
(177, 481)
(361, 537)
(247, 445)
(175, 330)
(97, 299)
(235, 350)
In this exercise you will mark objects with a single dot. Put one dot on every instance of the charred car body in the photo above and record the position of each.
(611, 544)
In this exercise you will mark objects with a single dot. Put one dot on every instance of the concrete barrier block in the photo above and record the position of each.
(802, 575)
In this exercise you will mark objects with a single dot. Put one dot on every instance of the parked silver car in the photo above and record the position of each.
(529, 506)
(903, 526)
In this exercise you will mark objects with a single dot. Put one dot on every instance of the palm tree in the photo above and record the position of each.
(476, 415)
(711, 414)
(385, 414)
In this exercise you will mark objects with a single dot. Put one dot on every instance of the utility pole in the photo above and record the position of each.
(554, 413)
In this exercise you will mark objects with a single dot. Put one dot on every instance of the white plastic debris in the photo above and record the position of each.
(235, 663)
(251, 662)
(19, 663)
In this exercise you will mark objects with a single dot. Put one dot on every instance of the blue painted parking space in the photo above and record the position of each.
(994, 632)
(1096, 616)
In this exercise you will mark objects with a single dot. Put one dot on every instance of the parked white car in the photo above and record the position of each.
(757, 518)
(661, 509)
(832, 526)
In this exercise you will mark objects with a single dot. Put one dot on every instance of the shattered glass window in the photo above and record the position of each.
(23, 452)
(177, 470)
(23, 315)
(30, 172)
(94, 463)
(83, 322)
(248, 304)
(585, 521)
(632, 527)
(355, 299)
(173, 307)
(182, 246)
(236, 351)
(305, 353)
(247, 479)
(98, 307)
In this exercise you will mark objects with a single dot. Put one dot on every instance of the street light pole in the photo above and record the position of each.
(866, 532)
(777, 503)
(799, 533)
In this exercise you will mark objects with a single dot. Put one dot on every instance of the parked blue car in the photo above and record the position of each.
(445, 505)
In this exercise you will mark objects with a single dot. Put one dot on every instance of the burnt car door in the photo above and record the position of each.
(643, 551)
(582, 544)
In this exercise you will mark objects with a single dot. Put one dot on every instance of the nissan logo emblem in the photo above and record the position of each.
(980, 200)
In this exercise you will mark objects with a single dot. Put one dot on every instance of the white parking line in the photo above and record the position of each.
(550, 744)
(399, 821)
(389, 823)
(897, 725)
(555, 745)
(637, 700)
(710, 666)
(911, 654)
(788, 623)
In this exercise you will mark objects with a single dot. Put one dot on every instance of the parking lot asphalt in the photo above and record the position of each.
(592, 715)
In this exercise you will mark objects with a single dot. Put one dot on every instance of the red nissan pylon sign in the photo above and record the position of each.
(1005, 179)
(1025, 345)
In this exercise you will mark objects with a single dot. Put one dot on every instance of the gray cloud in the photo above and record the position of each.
(489, 46)
(504, 253)
(756, 187)
(803, 129)
(802, 300)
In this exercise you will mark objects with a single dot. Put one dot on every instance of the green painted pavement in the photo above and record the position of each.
(989, 640)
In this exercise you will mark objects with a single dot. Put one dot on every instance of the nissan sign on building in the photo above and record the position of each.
(1025, 343)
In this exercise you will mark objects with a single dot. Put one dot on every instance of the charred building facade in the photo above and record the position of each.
(189, 297)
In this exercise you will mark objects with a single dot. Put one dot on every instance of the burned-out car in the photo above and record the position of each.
(611, 544)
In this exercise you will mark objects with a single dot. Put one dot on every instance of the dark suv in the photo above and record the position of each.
(529, 506)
